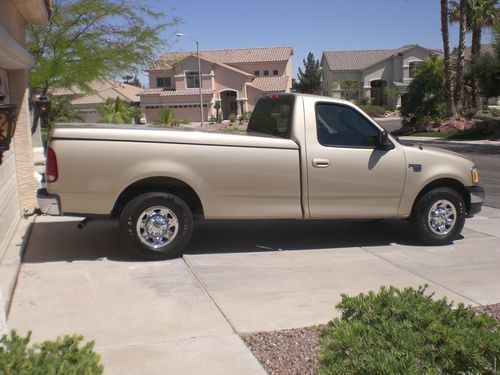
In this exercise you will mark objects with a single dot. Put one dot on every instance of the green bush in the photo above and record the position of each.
(63, 356)
(232, 118)
(408, 332)
(373, 110)
(165, 116)
(245, 116)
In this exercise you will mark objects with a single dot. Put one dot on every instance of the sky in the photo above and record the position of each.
(307, 26)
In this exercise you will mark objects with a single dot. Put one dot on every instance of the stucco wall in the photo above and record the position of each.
(17, 183)
(184, 108)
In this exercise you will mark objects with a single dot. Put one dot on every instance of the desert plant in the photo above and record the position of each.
(62, 356)
(217, 107)
(232, 118)
(118, 112)
(408, 332)
(165, 116)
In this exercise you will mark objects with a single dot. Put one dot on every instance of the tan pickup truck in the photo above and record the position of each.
(303, 157)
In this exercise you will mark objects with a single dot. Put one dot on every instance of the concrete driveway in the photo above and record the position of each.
(184, 316)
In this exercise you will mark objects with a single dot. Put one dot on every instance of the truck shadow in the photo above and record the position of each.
(62, 241)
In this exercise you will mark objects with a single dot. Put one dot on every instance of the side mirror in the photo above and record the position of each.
(384, 142)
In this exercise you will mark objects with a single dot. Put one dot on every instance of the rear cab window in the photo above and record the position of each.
(272, 116)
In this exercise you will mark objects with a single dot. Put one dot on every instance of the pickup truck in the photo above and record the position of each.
(303, 157)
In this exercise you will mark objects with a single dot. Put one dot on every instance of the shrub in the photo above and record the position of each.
(165, 116)
(245, 116)
(407, 332)
(232, 118)
(373, 110)
(63, 356)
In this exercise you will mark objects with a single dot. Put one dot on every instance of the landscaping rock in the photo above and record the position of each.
(455, 125)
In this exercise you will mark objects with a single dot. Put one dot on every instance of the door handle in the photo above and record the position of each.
(320, 163)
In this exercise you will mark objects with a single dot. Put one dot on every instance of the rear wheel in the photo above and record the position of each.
(439, 216)
(156, 226)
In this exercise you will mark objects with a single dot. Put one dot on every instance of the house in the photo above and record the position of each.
(365, 74)
(17, 182)
(100, 91)
(235, 77)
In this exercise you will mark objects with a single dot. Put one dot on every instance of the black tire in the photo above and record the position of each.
(149, 219)
(427, 226)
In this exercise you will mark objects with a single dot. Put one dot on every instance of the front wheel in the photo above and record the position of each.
(156, 226)
(438, 216)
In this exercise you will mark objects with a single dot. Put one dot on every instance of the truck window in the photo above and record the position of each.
(272, 116)
(339, 125)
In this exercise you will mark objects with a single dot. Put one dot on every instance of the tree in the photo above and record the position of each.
(118, 112)
(63, 111)
(90, 39)
(486, 68)
(425, 97)
(217, 107)
(483, 13)
(459, 14)
(309, 80)
(452, 112)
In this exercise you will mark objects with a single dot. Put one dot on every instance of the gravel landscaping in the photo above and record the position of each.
(295, 351)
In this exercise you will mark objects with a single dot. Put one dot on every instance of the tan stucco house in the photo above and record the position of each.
(17, 181)
(99, 92)
(236, 77)
(368, 72)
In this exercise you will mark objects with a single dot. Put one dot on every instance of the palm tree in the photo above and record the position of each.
(458, 14)
(452, 111)
(118, 112)
(483, 13)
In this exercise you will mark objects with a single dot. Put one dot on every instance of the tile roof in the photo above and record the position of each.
(101, 90)
(271, 84)
(487, 48)
(226, 56)
(163, 92)
(361, 59)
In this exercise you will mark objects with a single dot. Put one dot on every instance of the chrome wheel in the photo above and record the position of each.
(157, 227)
(442, 217)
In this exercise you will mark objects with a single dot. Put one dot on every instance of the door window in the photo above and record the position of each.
(342, 126)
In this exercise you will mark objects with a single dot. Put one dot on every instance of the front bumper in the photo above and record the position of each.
(49, 204)
(477, 195)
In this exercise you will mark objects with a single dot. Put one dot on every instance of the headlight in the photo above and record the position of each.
(474, 175)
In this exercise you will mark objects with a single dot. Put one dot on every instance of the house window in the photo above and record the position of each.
(275, 72)
(163, 82)
(266, 72)
(256, 73)
(192, 80)
(413, 67)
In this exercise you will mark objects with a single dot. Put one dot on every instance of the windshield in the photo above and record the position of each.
(272, 116)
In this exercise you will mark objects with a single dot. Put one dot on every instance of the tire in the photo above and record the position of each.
(438, 216)
(156, 226)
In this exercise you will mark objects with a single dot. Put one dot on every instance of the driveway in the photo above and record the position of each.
(185, 315)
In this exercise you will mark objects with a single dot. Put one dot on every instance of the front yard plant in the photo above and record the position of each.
(408, 332)
(62, 356)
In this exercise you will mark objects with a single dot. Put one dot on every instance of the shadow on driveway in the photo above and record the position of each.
(62, 241)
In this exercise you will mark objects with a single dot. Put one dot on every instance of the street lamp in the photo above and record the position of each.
(199, 72)
(42, 107)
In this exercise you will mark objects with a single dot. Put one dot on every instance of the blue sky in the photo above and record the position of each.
(310, 25)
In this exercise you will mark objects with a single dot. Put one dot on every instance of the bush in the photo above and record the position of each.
(407, 332)
(245, 116)
(63, 356)
(165, 116)
(232, 118)
(373, 110)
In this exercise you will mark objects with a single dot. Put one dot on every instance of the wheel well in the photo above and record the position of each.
(450, 183)
(161, 184)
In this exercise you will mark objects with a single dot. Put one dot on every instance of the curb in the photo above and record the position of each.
(450, 142)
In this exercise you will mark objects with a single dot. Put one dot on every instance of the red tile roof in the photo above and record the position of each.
(227, 56)
(271, 84)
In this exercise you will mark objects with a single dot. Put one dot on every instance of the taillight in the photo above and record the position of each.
(51, 166)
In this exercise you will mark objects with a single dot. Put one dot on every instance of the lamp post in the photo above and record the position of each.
(199, 72)
(7, 126)
(42, 109)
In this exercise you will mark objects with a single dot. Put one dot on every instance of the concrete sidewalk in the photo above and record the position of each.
(185, 315)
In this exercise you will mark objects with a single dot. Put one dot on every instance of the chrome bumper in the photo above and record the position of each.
(48, 203)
